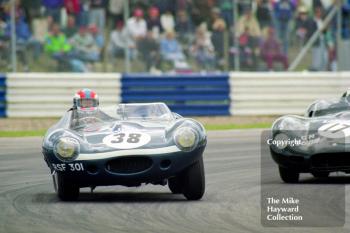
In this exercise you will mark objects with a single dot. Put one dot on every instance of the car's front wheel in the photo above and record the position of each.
(193, 181)
(288, 175)
(66, 191)
(175, 185)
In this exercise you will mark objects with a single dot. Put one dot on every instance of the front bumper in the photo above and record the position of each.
(97, 172)
(316, 162)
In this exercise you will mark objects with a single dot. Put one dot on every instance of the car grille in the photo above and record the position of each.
(129, 165)
(336, 160)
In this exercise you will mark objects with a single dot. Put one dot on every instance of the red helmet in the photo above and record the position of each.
(86, 99)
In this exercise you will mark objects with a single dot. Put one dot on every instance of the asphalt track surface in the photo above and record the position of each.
(231, 202)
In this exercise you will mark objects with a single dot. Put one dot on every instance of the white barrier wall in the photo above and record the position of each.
(51, 94)
(283, 93)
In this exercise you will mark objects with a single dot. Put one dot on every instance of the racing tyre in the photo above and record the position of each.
(289, 175)
(175, 185)
(320, 174)
(193, 180)
(65, 190)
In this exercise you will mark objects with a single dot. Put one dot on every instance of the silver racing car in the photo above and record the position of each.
(137, 144)
(317, 143)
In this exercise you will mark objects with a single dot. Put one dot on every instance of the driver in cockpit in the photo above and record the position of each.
(85, 108)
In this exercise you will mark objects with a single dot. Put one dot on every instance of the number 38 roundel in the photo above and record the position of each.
(127, 140)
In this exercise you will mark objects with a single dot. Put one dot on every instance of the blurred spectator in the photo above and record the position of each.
(19, 11)
(331, 33)
(32, 9)
(149, 50)
(85, 47)
(226, 8)
(184, 27)
(83, 19)
(97, 13)
(22, 29)
(171, 49)
(243, 5)
(283, 11)
(56, 41)
(3, 43)
(71, 29)
(119, 40)
(153, 22)
(3, 26)
(41, 27)
(247, 20)
(305, 3)
(2, 12)
(334, 22)
(183, 5)
(58, 47)
(160, 17)
(271, 51)
(72, 7)
(218, 32)
(165, 6)
(305, 25)
(199, 12)
(53, 8)
(136, 26)
(247, 49)
(167, 21)
(319, 51)
(115, 8)
(346, 21)
(332, 51)
(97, 36)
(24, 40)
(317, 4)
(203, 49)
(263, 13)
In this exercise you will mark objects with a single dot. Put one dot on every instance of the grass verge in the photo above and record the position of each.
(14, 134)
(237, 126)
(38, 133)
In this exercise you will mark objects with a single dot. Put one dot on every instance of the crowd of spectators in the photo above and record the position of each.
(169, 34)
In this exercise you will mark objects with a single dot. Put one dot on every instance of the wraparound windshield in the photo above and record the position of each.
(89, 119)
(153, 111)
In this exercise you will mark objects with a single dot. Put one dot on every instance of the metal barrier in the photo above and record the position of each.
(190, 94)
(283, 93)
(2, 95)
(50, 94)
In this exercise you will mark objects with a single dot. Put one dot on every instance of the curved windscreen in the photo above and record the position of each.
(90, 120)
(149, 111)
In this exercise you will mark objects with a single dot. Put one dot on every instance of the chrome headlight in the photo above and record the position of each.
(186, 138)
(67, 148)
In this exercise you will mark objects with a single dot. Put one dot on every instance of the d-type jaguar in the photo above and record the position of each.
(134, 144)
(317, 143)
